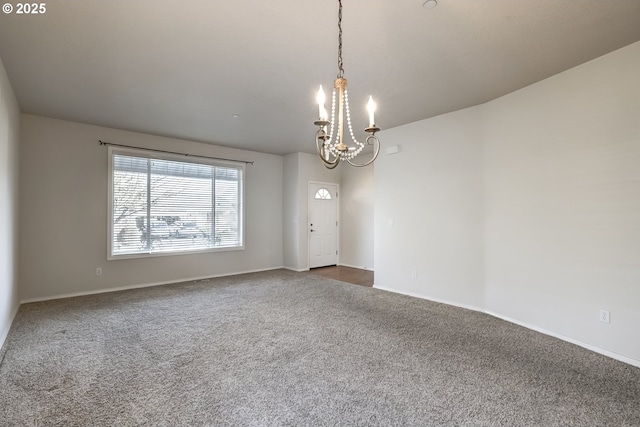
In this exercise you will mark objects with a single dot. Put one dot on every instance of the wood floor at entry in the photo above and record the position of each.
(355, 276)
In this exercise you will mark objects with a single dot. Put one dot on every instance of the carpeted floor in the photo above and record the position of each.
(292, 349)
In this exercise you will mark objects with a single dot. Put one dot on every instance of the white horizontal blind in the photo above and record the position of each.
(162, 205)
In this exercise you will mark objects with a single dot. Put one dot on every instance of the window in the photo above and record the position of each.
(164, 205)
(323, 194)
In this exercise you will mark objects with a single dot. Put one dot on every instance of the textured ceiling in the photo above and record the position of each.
(183, 68)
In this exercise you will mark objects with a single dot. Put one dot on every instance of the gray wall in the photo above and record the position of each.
(527, 207)
(63, 210)
(9, 139)
(562, 184)
(356, 216)
(429, 210)
(290, 201)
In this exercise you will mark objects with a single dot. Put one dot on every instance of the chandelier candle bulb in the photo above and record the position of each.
(322, 113)
(371, 107)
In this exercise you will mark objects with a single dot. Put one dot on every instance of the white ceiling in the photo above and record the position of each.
(182, 68)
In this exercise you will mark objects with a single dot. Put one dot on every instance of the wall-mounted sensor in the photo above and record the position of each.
(393, 149)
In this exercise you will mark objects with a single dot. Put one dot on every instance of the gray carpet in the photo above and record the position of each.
(291, 349)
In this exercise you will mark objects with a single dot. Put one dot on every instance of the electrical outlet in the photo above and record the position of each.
(98, 271)
(604, 316)
(414, 274)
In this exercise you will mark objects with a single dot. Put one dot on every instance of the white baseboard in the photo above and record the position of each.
(430, 298)
(5, 333)
(590, 347)
(143, 285)
(297, 270)
(593, 348)
(359, 267)
(300, 270)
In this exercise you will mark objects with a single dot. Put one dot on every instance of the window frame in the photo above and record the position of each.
(323, 194)
(150, 154)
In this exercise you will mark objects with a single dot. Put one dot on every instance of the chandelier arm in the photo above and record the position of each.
(321, 136)
(376, 151)
(331, 165)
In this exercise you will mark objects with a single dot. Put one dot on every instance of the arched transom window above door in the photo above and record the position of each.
(323, 194)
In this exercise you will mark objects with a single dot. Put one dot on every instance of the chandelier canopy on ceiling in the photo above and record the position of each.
(331, 146)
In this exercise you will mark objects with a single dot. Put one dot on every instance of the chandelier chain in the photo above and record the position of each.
(340, 68)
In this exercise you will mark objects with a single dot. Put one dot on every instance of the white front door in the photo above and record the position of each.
(323, 224)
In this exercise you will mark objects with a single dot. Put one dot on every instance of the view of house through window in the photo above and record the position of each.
(165, 205)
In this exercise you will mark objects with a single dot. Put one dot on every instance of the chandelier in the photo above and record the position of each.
(331, 146)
